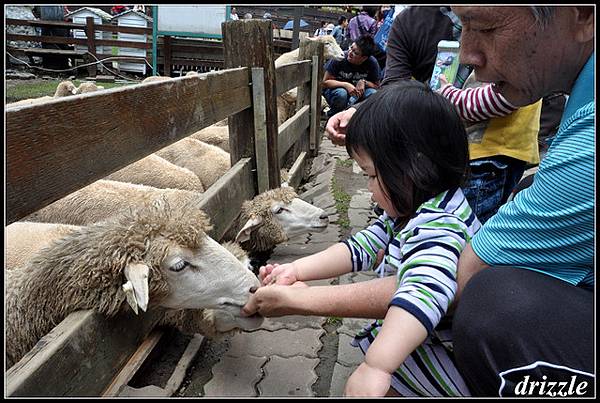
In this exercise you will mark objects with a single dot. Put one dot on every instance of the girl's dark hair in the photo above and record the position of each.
(416, 140)
(341, 20)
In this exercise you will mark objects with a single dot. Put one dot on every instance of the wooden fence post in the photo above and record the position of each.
(249, 43)
(91, 44)
(306, 92)
(168, 54)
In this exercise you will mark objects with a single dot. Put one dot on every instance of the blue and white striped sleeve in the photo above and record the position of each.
(426, 282)
(365, 244)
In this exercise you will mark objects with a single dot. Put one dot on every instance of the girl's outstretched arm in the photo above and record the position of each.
(399, 336)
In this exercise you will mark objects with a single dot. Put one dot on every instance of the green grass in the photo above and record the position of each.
(342, 203)
(38, 89)
(333, 320)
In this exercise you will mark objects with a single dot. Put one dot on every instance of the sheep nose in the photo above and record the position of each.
(324, 216)
(253, 289)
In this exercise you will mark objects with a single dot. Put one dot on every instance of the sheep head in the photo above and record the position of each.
(276, 215)
(331, 49)
(65, 88)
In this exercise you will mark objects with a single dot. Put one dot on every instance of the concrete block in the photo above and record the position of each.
(284, 343)
(348, 355)
(286, 377)
(235, 376)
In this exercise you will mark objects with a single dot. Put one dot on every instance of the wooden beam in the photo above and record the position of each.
(168, 56)
(250, 43)
(292, 129)
(91, 44)
(315, 103)
(296, 172)
(71, 360)
(260, 129)
(223, 199)
(58, 147)
(134, 364)
(292, 75)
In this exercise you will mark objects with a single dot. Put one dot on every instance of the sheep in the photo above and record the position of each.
(152, 79)
(214, 135)
(88, 86)
(63, 89)
(208, 162)
(274, 216)
(25, 238)
(331, 50)
(103, 199)
(156, 255)
(158, 172)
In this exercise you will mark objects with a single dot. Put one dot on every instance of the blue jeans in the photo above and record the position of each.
(338, 99)
(490, 183)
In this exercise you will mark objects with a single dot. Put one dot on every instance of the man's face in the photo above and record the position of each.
(507, 47)
(355, 55)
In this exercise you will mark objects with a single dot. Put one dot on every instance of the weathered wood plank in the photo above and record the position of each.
(134, 364)
(223, 200)
(257, 52)
(79, 357)
(260, 129)
(292, 75)
(58, 147)
(293, 129)
(296, 172)
(176, 378)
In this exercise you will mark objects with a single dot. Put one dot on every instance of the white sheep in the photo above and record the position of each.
(152, 79)
(63, 89)
(208, 162)
(88, 86)
(155, 255)
(331, 50)
(215, 135)
(158, 172)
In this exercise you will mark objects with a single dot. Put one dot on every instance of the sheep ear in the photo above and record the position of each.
(137, 276)
(128, 289)
(245, 232)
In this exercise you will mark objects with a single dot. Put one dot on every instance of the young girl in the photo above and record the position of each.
(412, 145)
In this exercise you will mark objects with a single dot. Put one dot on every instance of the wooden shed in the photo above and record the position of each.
(131, 18)
(100, 17)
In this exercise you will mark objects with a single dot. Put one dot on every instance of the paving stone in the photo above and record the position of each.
(361, 200)
(351, 326)
(287, 377)
(318, 190)
(348, 355)
(330, 235)
(339, 378)
(235, 376)
(359, 218)
(324, 201)
(293, 322)
(284, 343)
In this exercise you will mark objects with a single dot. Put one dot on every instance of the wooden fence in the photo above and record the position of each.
(60, 146)
(173, 53)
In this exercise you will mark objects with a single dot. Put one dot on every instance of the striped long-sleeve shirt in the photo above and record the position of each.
(424, 254)
(477, 104)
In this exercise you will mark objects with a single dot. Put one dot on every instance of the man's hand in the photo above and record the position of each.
(368, 381)
(336, 126)
(352, 90)
(361, 85)
(273, 300)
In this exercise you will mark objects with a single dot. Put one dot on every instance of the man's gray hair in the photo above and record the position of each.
(542, 14)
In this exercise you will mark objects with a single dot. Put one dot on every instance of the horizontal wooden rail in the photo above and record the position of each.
(73, 360)
(291, 130)
(78, 41)
(71, 25)
(48, 157)
(292, 75)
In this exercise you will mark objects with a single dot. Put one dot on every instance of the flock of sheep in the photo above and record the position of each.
(137, 239)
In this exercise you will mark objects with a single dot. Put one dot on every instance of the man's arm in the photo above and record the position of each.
(469, 264)
(330, 81)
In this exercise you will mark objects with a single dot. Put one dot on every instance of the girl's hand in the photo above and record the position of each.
(368, 381)
(285, 274)
(336, 126)
(443, 80)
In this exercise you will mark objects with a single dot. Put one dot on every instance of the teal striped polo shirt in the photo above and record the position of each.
(549, 227)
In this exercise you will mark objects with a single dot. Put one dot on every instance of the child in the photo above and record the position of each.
(412, 145)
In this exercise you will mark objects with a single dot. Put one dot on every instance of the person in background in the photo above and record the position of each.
(233, 14)
(248, 16)
(340, 32)
(118, 9)
(363, 24)
(53, 13)
(353, 78)
(321, 30)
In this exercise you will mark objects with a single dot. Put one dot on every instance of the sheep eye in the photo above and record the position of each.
(279, 210)
(178, 266)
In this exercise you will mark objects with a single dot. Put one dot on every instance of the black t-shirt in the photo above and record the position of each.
(343, 70)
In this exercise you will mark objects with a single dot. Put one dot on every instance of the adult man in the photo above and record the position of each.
(529, 315)
(339, 31)
(353, 78)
